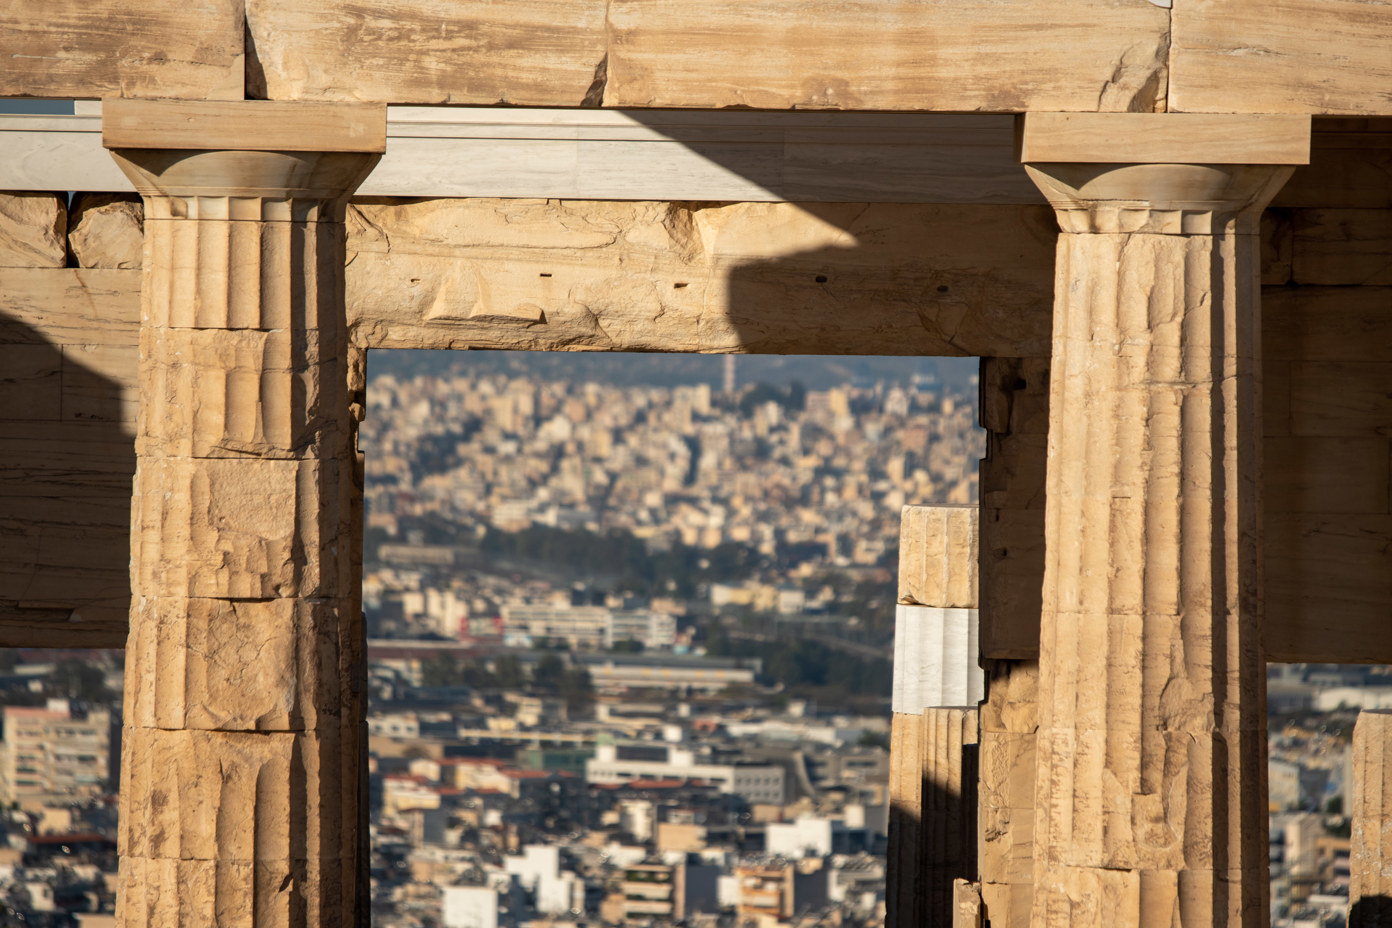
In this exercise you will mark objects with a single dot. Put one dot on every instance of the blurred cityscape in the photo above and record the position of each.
(629, 647)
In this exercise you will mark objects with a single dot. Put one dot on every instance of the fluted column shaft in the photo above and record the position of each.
(1370, 807)
(1151, 786)
(240, 762)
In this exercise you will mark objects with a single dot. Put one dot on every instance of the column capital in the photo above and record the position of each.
(252, 160)
(1166, 173)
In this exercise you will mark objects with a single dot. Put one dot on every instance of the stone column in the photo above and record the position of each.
(240, 761)
(937, 684)
(1370, 857)
(1151, 777)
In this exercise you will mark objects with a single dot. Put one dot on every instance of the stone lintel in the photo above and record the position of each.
(1162, 138)
(246, 125)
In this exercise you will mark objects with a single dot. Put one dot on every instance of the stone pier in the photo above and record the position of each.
(1370, 854)
(240, 769)
(1151, 753)
(937, 684)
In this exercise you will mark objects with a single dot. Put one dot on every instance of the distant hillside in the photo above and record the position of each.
(628, 369)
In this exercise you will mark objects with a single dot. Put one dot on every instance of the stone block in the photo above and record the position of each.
(164, 893)
(1309, 473)
(937, 556)
(218, 665)
(230, 393)
(33, 230)
(31, 382)
(739, 277)
(1342, 247)
(231, 528)
(1328, 583)
(1012, 577)
(70, 306)
(1326, 323)
(1307, 56)
(246, 274)
(234, 797)
(107, 230)
(95, 48)
(101, 384)
(936, 659)
(1341, 398)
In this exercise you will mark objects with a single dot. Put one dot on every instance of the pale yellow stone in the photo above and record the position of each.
(1009, 719)
(938, 556)
(1150, 747)
(967, 909)
(932, 838)
(241, 764)
(218, 393)
(106, 230)
(1370, 853)
(218, 665)
(240, 528)
(741, 277)
(236, 894)
(236, 796)
(33, 229)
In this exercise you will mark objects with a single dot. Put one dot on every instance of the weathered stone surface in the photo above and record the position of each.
(948, 833)
(1150, 748)
(237, 796)
(233, 528)
(105, 230)
(967, 909)
(1015, 414)
(932, 836)
(912, 55)
(82, 49)
(1370, 852)
(1342, 247)
(240, 776)
(219, 393)
(937, 556)
(1305, 56)
(1009, 721)
(33, 229)
(244, 273)
(748, 277)
(70, 306)
(904, 900)
(245, 894)
(241, 665)
(429, 51)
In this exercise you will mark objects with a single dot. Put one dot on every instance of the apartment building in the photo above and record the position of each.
(55, 751)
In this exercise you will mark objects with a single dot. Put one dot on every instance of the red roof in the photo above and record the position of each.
(655, 784)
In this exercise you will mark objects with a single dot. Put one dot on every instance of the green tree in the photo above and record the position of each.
(549, 674)
(77, 679)
(508, 672)
(440, 670)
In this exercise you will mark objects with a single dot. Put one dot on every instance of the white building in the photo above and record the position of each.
(583, 627)
(470, 907)
(614, 763)
(55, 752)
(654, 630)
(805, 837)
